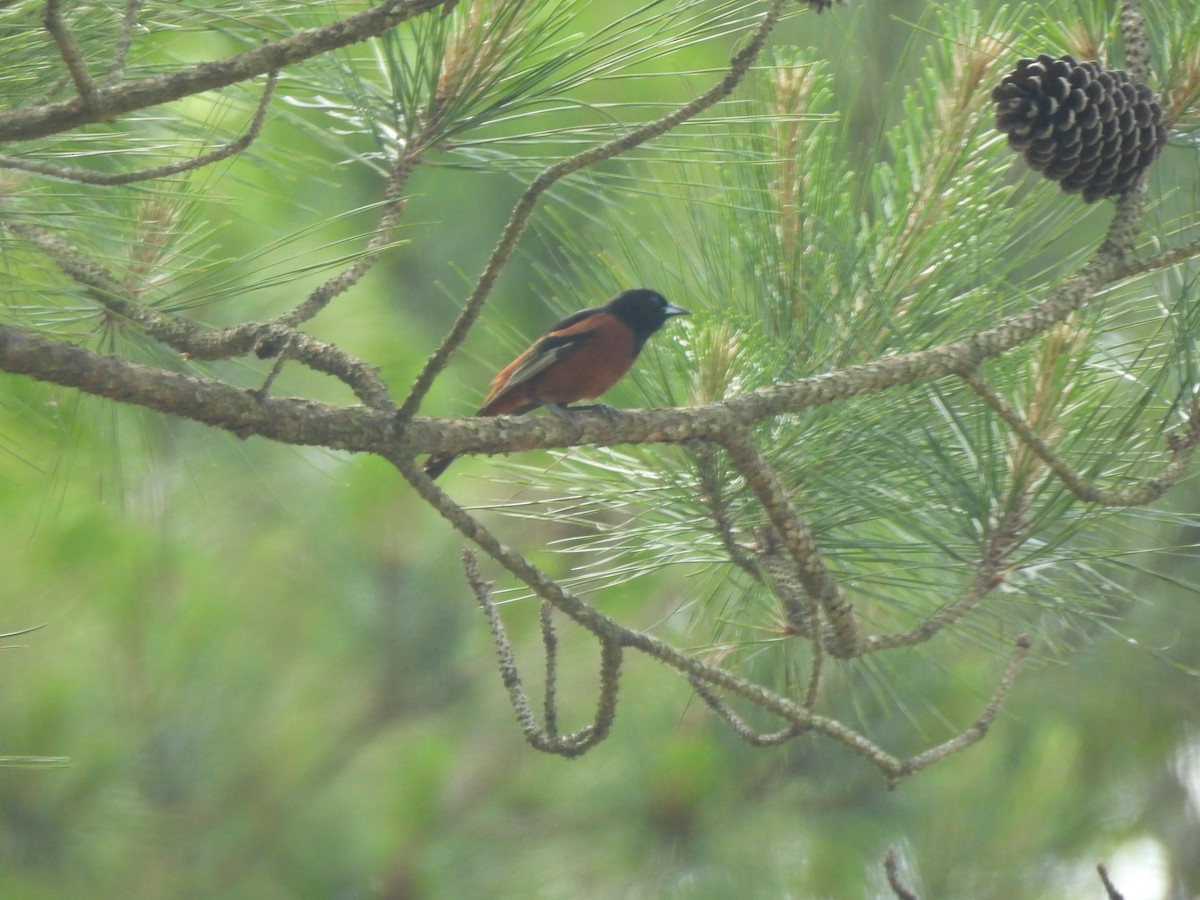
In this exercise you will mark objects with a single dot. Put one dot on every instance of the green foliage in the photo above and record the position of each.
(261, 664)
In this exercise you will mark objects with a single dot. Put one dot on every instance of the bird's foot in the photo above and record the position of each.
(609, 412)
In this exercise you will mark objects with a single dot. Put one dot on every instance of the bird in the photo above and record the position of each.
(578, 359)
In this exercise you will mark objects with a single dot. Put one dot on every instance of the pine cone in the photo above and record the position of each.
(1089, 129)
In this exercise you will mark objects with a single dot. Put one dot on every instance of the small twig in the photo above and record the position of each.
(1110, 889)
(1161, 260)
(712, 490)
(739, 65)
(68, 49)
(280, 360)
(547, 740)
(116, 69)
(989, 574)
(394, 203)
(1182, 450)
(979, 730)
(85, 176)
(891, 867)
(550, 647)
(738, 724)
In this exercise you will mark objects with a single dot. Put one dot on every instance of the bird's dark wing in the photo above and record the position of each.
(566, 337)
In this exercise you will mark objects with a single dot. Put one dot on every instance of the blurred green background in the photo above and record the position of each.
(262, 673)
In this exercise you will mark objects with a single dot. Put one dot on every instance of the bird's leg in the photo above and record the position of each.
(567, 413)
(609, 412)
(563, 412)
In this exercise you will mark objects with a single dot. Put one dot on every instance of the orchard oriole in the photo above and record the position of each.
(578, 359)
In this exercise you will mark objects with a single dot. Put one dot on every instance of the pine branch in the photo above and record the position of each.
(98, 104)
(86, 176)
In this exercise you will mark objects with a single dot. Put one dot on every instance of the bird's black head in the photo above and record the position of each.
(644, 311)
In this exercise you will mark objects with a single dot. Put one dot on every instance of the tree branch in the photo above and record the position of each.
(547, 739)
(108, 102)
(87, 176)
(1182, 449)
(799, 542)
(205, 400)
(196, 342)
(614, 636)
(891, 868)
(116, 68)
(69, 50)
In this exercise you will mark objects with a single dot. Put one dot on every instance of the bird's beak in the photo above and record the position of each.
(673, 310)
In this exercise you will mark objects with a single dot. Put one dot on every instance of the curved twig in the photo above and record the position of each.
(1183, 448)
(979, 729)
(989, 575)
(739, 725)
(891, 868)
(108, 102)
(547, 739)
(86, 176)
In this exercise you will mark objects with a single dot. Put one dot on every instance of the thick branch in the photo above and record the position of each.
(205, 400)
(301, 422)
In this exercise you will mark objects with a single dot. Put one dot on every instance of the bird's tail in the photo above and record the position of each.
(438, 463)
